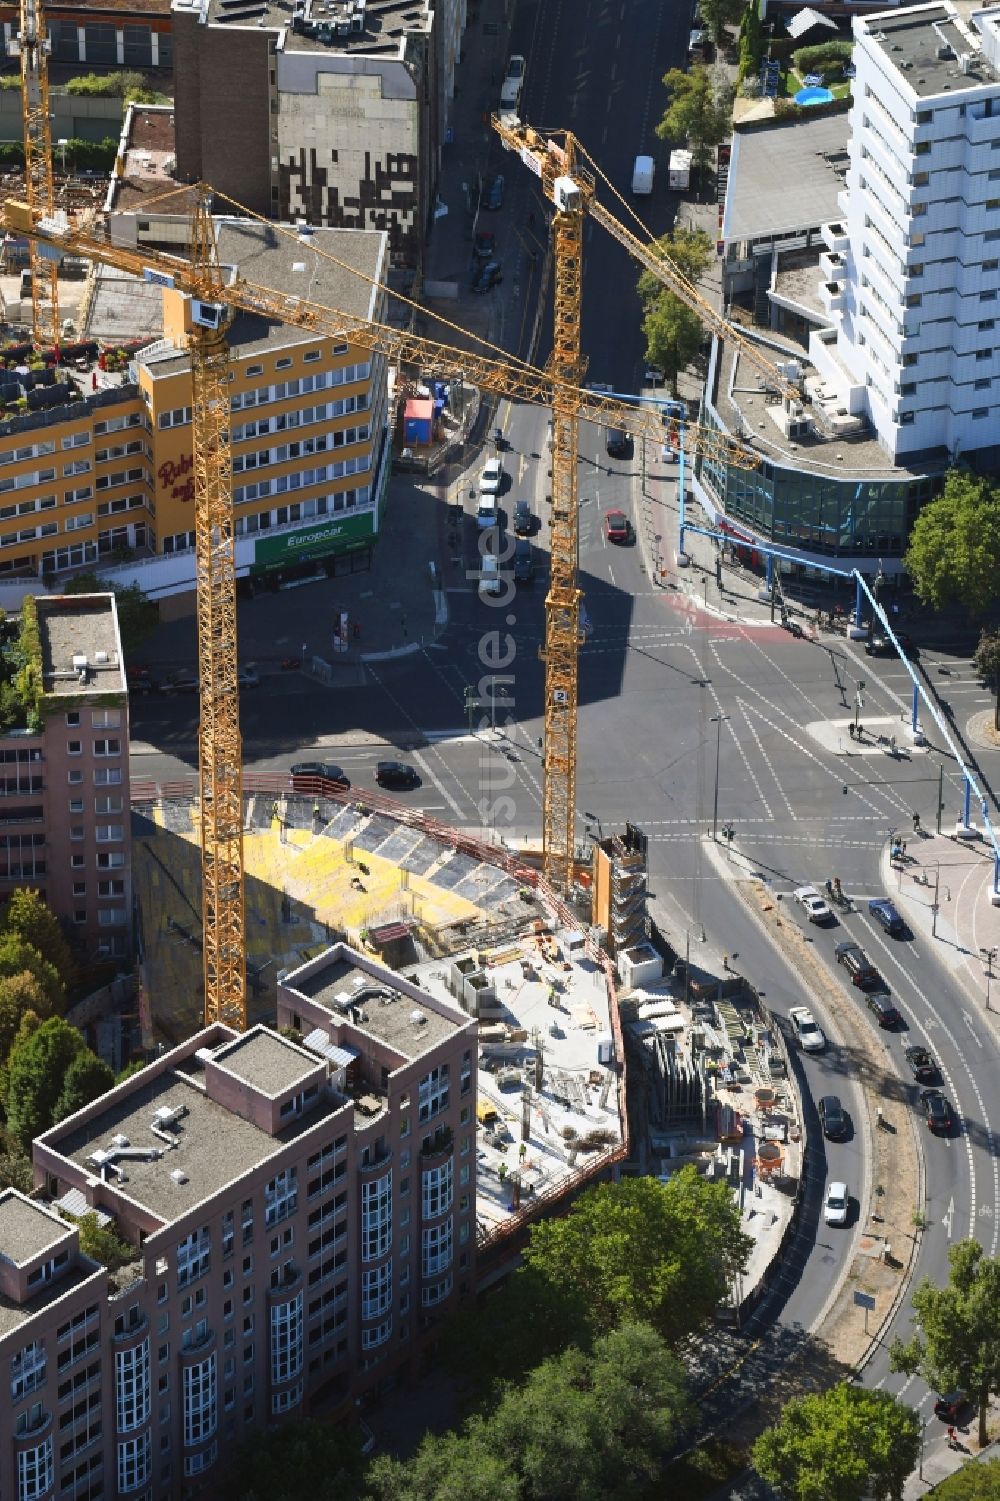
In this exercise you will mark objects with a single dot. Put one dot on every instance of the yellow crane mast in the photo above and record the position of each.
(212, 295)
(34, 46)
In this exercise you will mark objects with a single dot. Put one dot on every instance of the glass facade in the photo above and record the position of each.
(845, 518)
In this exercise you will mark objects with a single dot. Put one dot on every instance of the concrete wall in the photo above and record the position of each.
(84, 119)
(223, 109)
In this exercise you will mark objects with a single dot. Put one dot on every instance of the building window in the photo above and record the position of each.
(27, 1370)
(436, 1293)
(132, 1386)
(432, 1095)
(74, 747)
(195, 1463)
(376, 1291)
(34, 1472)
(286, 1340)
(280, 1196)
(376, 1217)
(133, 1463)
(285, 1401)
(372, 1338)
(193, 1255)
(437, 1189)
(200, 1406)
(436, 1248)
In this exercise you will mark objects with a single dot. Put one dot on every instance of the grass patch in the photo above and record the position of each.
(792, 81)
(697, 1474)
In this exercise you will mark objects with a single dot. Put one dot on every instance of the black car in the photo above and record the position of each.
(488, 277)
(616, 442)
(950, 1406)
(524, 521)
(879, 645)
(858, 965)
(485, 244)
(324, 771)
(184, 681)
(937, 1111)
(396, 774)
(524, 561)
(883, 1010)
(922, 1065)
(833, 1117)
(887, 917)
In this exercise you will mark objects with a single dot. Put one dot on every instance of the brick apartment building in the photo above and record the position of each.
(301, 1213)
(64, 791)
(106, 477)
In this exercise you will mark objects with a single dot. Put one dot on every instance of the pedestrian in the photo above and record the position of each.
(903, 848)
(725, 961)
(952, 1438)
(916, 823)
(531, 219)
(316, 812)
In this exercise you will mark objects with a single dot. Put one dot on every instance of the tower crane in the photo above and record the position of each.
(215, 293)
(557, 161)
(34, 47)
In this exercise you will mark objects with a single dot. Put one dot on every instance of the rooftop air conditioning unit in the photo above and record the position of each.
(179, 1175)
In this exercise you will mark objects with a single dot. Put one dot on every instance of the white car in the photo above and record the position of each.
(835, 1204)
(810, 1035)
(812, 904)
(491, 477)
(490, 581)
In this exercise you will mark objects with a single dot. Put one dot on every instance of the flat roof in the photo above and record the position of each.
(147, 182)
(13, 1315)
(27, 1230)
(79, 625)
(390, 1015)
(786, 178)
(384, 24)
(214, 1146)
(265, 1061)
(122, 307)
(910, 40)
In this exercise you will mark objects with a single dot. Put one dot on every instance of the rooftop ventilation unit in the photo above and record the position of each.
(179, 1175)
(418, 1018)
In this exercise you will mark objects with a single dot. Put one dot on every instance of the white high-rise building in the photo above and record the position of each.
(913, 274)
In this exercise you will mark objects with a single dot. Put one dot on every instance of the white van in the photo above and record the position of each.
(510, 94)
(642, 175)
(487, 516)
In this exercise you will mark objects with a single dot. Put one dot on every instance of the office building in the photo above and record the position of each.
(333, 111)
(916, 295)
(65, 783)
(301, 1213)
(100, 473)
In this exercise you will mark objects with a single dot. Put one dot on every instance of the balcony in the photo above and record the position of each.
(438, 1145)
(832, 296)
(832, 265)
(375, 1159)
(835, 235)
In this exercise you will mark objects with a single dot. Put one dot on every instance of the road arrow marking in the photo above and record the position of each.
(948, 1217)
(968, 1022)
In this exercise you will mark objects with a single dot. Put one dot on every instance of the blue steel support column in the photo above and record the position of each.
(916, 709)
(966, 803)
(857, 603)
(770, 572)
(996, 874)
(680, 488)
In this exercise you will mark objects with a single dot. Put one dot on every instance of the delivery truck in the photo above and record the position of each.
(642, 175)
(680, 169)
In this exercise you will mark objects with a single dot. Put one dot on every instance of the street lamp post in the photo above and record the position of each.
(989, 955)
(717, 720)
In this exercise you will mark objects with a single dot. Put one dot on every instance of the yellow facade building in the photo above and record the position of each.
(101, 473)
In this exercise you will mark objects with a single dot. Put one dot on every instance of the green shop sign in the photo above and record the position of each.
(342, 534)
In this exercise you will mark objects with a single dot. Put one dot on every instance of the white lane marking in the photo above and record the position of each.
(968, 1022)
(745, 710)
(948, 1217)
(425, 768)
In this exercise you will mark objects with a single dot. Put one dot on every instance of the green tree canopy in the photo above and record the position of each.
(31, 920)
(16, 1171)
(304, 1460)
(514, 1328)
(958, 1340)
(840, 1445)
(673, 332)
(718, 14)
(987, 664)
(641, 1250)
(452, 1467)
(689, 250)
(953, 556)
(45, 1068)
(700, 112)
(17, 959)
(19, 994)
(87, 1077)
(979, 1482)
(103, 1243)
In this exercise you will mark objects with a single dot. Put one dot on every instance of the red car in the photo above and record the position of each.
(616, 526)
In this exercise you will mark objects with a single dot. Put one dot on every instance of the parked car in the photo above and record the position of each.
(812, 904)
(491, 478)
(617, 527)
(833, 1117)
(858, 965)
(524, 521)
(883, 1010)
(807, 1030)
(836, 1204)
(484, 244)
(885, 914)
(184, 681)
(490, 581)
(879, 645)
(922, 1066)
(616, 442)
(323, 770)
(487, 514)
(493, 192)
(487, 277)
(396, 774)
(937, 1111)
(524, 561)
(248, 677)
(950, 1406)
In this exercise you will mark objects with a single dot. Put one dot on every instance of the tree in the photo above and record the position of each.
(17, 959)
(19, 994)
(138, 617)
(103, 1244)
(498, 1340)
(958, 1340)
(640, 1250)
(688, 250)
(48, 1068)
(16, 1171)
(987, 664)
(673, 336)
(35, 923)
(971, 1483)
(840, 1445)
(299, 1459)
(700, 112)
(718, 14)
(449, 1467)
(953, 554)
